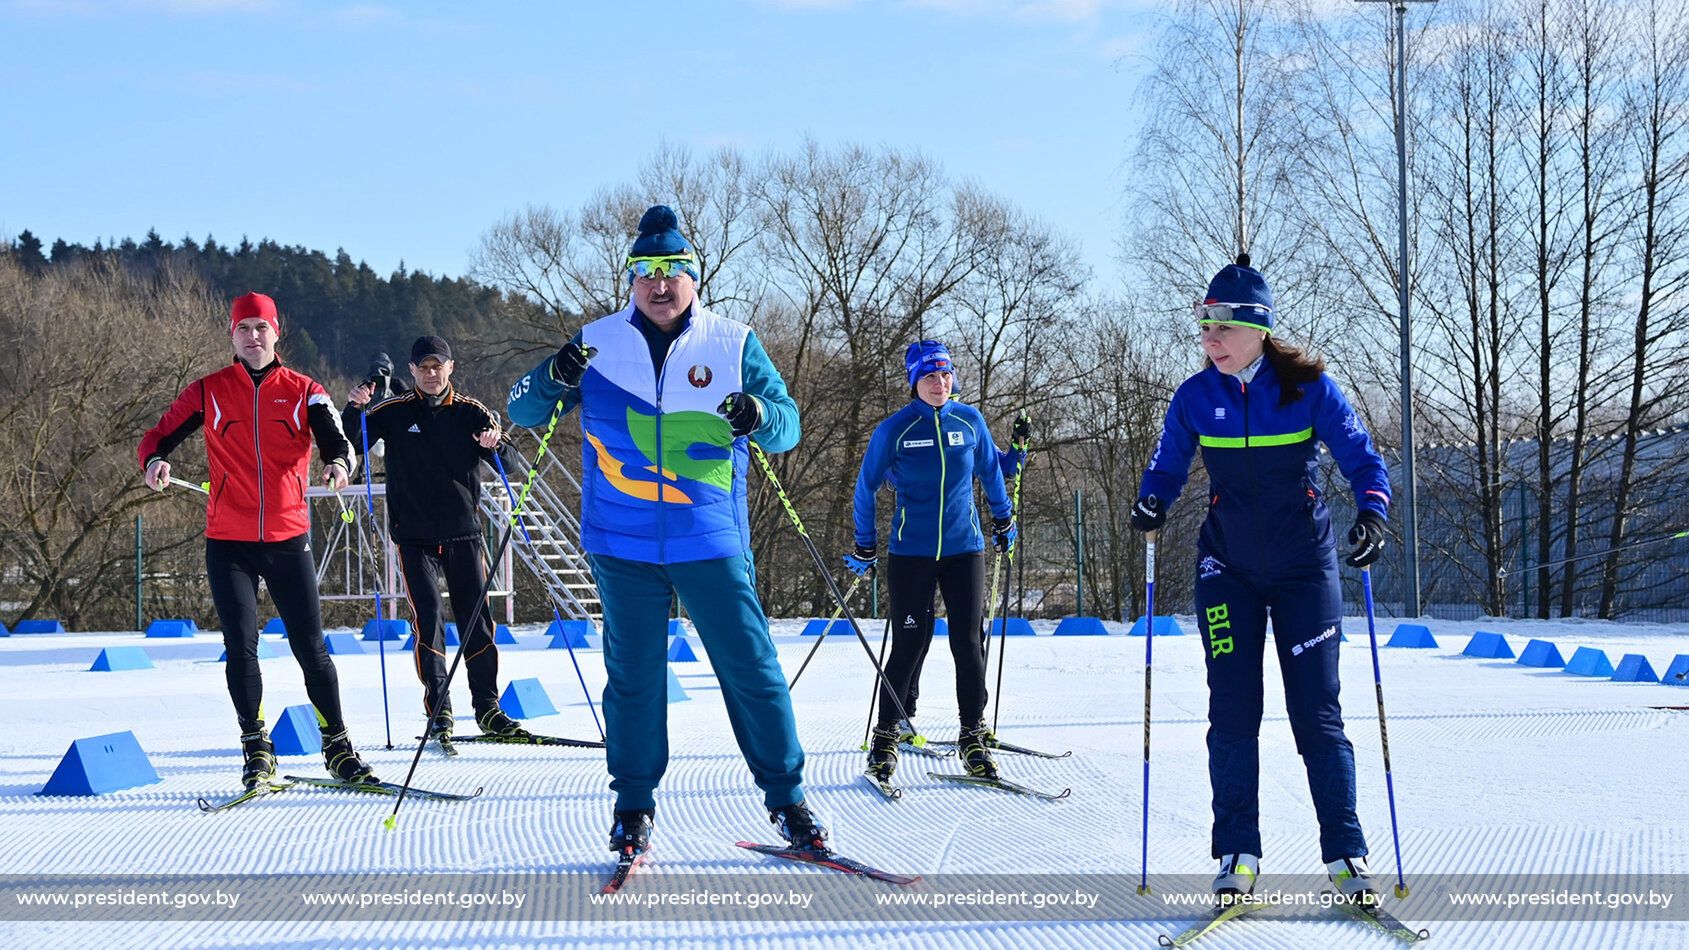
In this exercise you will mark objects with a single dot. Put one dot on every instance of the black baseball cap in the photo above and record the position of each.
(428, 346)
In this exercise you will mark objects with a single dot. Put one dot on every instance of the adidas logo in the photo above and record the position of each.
(413, 428)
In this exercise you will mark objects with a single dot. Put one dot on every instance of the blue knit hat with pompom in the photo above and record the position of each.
(1242, 288)
(659, 236)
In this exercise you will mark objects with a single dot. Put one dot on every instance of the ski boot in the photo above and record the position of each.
(260, 758)
(802, 831)
(1236, 878)
(630, 834)
(911, 740)
(494, 722)
(975, 744)
(882, 754)
(440, 730)
(1352, 881)
(343, 762)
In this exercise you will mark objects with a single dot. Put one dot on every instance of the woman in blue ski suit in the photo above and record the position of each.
(931, 451)
(1258, 410)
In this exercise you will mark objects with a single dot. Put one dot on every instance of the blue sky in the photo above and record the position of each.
(401, 131)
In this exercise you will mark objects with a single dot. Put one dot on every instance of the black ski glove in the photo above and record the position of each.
(1366, 539)
(1003, 533)
(1147, 514)
(569, 365)
(742, 412)
(1022, 436)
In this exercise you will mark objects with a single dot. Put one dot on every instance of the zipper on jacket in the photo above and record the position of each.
(942, 478)
(1254, 482)
(258, 452)
(662, 372)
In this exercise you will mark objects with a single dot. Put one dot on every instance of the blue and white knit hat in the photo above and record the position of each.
(1242, 289)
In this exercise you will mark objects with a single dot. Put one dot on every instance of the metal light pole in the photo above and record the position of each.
(1408, 488)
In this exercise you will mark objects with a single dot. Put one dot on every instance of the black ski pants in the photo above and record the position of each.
(913, 581)
(463, 562)
(234, 569)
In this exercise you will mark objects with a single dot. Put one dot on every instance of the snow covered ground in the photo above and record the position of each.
(1499, 769)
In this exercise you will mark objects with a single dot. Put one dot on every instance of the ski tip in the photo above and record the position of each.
(919, 742)
(391, 822)
(1164, 940)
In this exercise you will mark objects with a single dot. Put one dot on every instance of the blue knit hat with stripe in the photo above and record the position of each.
(927, 356)
(1242, 288)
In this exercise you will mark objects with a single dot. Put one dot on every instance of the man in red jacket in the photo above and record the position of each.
(259, 419)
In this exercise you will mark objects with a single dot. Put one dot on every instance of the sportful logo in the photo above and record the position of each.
(699, 376)
(1325, 635)
(1219, 412)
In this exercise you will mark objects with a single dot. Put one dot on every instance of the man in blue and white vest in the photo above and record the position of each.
(669, 394)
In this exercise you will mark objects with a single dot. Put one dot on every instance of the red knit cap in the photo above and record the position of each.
(248, 306)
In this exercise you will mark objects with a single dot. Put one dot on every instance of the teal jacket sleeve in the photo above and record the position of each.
(535, 395)
(779, 430)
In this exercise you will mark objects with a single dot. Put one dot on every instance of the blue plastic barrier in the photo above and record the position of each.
(266, 651)
(1018, 627)
(172, 628)
(1489, 646)
(112, 659)
(1081, 627)
(526, 699)
(1588, 661)
(38, 626)
(297, 732)
(386, 629)
(1413, 636)
(1165, 626)
(677, 694)
(101, 764)
(1634, 668)
(340, 644)
(1541, 653)
(681, 652)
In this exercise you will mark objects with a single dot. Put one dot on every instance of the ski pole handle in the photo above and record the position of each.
(203, 488)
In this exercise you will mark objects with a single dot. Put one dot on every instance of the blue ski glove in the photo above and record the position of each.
(862, 560)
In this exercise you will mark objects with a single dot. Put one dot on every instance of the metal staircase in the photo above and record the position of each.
(555, 557)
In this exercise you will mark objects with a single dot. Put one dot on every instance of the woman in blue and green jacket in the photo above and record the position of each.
(931, 451)
(1258, 411)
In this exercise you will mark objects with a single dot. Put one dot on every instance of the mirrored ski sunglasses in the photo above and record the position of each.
(662, 268)
(1244, 314)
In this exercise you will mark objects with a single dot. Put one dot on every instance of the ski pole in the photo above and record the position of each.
(1149, 644)
(480, 605)
(1568, 560)
(1383, 730)
(1003, 615)
(874, 697)
(381, 631)
(826, 576)
(556, 615)
(849, 593)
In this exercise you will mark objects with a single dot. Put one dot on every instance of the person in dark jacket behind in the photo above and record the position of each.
(931, 451)
(1258, 411)
(259, 419)
(436, 440)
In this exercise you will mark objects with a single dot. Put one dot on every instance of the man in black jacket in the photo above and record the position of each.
(437, 439)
